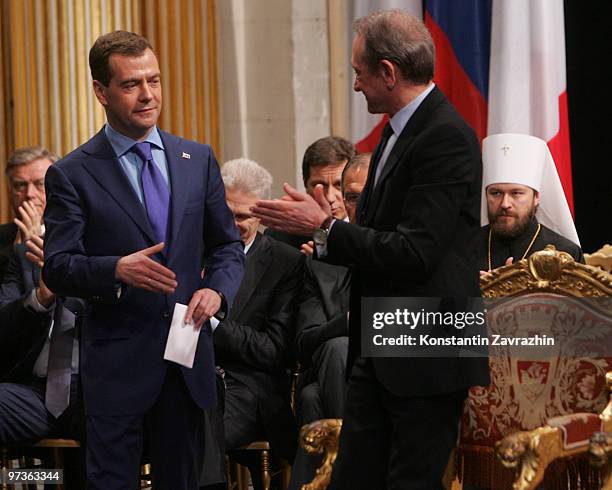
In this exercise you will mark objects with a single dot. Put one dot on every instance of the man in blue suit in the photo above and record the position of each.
(137, 222)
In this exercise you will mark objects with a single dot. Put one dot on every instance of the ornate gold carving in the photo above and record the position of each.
(547, 270)
(602, 258)
(600, 453)
(532, 451)
(321, 437)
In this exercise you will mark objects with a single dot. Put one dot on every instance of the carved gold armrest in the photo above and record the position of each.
(321, 437)
(600, 453)
(532, 451)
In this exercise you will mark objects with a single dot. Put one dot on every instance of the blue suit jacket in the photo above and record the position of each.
(93, 217)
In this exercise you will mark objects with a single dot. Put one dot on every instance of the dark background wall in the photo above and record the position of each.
(588, 33)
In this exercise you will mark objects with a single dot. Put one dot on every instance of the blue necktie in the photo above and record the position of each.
(155, 190)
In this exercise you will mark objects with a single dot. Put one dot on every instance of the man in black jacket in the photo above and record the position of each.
(322, 330)
(25, 171)
(417, 224)
(39, 352)
(253, 345)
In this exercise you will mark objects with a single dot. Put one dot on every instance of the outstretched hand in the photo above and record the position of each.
(141, 271)
(296, 213)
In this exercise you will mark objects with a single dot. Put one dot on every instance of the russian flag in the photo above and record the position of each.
(461, 32)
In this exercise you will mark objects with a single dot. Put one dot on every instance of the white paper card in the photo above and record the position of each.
(182, 339)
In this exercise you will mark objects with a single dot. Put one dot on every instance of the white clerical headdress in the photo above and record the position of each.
(523, 159)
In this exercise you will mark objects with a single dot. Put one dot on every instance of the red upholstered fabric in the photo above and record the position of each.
(528, 388)
(577, 428)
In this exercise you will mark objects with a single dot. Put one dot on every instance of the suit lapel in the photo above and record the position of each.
(401, 144)
(104, 168)
(179, 171)
(414, 125)
(257, 263)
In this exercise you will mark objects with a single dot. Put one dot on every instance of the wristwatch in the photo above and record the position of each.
(319, 236)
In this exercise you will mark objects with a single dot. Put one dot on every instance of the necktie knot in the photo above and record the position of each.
(387, 132)
(143, 150)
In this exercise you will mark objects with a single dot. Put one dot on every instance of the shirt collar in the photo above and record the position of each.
(122, 144)
(248, 246)
(400, 119)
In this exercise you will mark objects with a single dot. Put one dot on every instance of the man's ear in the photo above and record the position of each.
(100, 91)
(536, 198)
(388, 73)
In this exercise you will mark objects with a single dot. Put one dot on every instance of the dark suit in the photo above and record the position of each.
(322, 344)
(324, 303)
(294, 241)
(23, 415)
(93, 217)
(254, 347)
(8, 232)
(516, 247)
(416, 238)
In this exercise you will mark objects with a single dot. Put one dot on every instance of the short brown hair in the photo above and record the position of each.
(361, 160)
(401, 38)
(23, 156)
(325, 151)
(118, 42)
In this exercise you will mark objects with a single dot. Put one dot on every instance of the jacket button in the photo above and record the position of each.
(166, 314)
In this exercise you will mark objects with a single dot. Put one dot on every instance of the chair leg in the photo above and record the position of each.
(58, 461)
(4, 464)
(265, 470)
(243, 478)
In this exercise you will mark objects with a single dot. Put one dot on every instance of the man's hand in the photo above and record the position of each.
(43, 294)
(203, 305)
(307, 248)
(29, 221)
(509, 261)
(296, 213)
(140, 271)
(36, 255)
(35, 252)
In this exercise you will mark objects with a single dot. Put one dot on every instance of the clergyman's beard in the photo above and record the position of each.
(519, 227)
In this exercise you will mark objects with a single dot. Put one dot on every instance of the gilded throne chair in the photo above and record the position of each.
(544, 400)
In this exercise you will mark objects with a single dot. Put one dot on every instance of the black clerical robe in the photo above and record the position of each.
(516, 247)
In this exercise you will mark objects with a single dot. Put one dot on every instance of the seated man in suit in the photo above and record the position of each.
(253, 345)
(323, 163)
(25, 172)
(322, 330)
(523, 202)
(39, 352)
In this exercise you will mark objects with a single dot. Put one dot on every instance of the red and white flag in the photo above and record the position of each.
(527, 84)
(366, 128)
